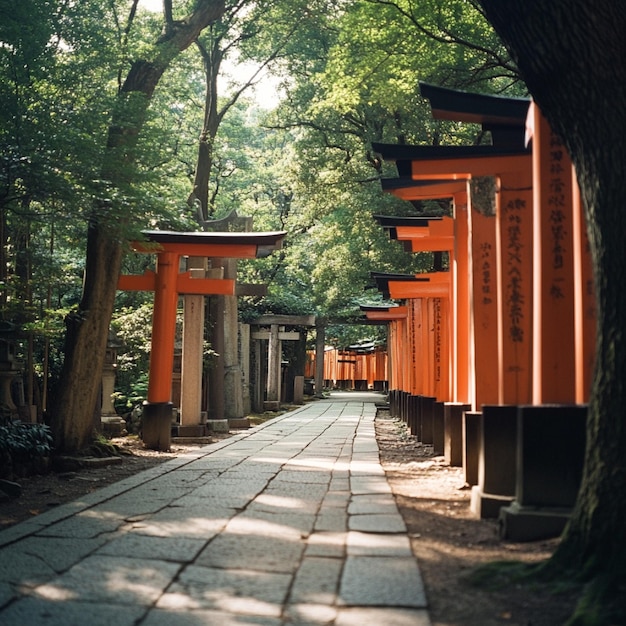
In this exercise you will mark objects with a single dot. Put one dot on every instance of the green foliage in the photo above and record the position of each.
(132, 327)
(348, 72)
(22, 443)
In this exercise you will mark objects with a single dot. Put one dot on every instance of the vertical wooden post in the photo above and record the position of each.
(585, 302)
(514, 217)
(553, 302)
(157, 410)
(485, 285)
(414, 346)
(429, 347)
(460, 302)
(441, 349)
(163, 328)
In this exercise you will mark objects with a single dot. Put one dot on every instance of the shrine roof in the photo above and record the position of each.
(384, 276)
(377, 308)
(382, 281)
(390, 221)
(405, 182)
(265, 242)
(383, 314)
(403, 152)
(465, 106)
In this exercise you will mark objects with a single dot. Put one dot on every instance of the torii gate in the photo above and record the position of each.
(168, 283)
(392, 316)
(513, 167)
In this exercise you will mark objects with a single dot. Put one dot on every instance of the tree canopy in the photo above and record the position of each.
(116, 118)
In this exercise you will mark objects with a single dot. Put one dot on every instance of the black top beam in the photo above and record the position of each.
(478, 108)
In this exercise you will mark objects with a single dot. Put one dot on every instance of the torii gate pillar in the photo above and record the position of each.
(167, 283)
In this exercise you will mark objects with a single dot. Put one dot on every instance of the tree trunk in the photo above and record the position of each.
(88, 326)
(572, 56)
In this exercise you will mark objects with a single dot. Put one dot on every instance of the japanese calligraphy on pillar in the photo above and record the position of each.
(486, 272)
(412, 321)
(437, 322)
(514, 291)
(558, 204)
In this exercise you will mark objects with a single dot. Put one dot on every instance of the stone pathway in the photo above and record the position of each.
(289, 523)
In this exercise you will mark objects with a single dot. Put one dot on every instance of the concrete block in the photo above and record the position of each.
(471, 445)
(550, 454)
(438, 428)
(518, 523)
(427, 404)
(453, 432)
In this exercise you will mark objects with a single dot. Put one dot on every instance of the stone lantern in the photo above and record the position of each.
(9, 366)
(112, 423)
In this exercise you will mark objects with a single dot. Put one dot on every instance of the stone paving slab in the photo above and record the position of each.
(291, 523)
(238, 591)
(368, 544)
(377, 523)
(38, 611)
(382, 581)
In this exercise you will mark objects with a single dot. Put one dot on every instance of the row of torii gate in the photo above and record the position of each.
(507, 335)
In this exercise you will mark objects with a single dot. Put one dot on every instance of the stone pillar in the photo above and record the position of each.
(298, 390)
(233, 392)
(244, 351)
(273, 369)
(320, 344)
(192, 356)
(257, 369)
(216, 370)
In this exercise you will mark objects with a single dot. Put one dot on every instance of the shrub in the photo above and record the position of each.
(23, 446)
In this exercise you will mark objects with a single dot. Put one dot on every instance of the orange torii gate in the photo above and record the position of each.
(446, 234)
(564, 316)
(513, 168)
(395, 317)
(531, 270)
(168, 282)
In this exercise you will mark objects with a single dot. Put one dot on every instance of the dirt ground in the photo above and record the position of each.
(446, 539)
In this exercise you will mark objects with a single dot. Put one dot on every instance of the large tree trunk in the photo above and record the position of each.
(572, 55)
(87, 327)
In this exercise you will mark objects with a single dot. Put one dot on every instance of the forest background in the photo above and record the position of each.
(210, 137)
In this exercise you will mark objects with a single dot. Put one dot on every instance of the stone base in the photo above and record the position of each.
(519, 523)
(271, 405)
(195, 430)
(487, 505)
(202, 441)
(156, 425)
(114, 426)
(239, 422)
(217, 426)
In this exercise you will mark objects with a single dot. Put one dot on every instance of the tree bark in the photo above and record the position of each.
(571, 54)
(88, 325)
